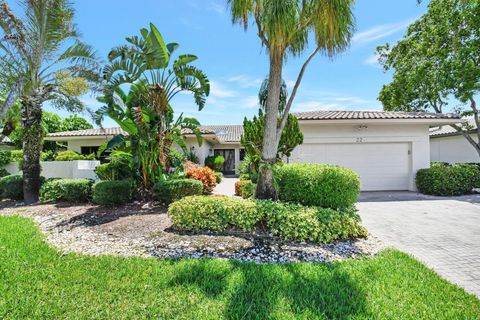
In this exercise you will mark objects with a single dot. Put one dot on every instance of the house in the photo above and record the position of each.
(385, 148)
(449, 145)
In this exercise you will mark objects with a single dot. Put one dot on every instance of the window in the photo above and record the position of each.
(89, 150)
(242, 154)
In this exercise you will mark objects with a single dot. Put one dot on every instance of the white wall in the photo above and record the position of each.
(453, 149)
(63, 169)
(77, 144)
(416, 135)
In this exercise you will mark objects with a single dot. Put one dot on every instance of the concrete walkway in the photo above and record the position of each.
(226, 187)
(442, 232)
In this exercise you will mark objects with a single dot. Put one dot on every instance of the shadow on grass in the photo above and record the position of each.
(267, 291)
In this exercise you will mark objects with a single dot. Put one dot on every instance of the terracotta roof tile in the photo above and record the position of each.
(90, 132)
(349, 115)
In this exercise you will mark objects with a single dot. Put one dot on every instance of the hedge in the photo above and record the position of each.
(446, 180)
(319, 185)
(173, 190)
(214, 213)
(286, 220)
(70, 155)
(301, 223)
(11, 187)
(239, 185)
(70, 190)
(112, 192)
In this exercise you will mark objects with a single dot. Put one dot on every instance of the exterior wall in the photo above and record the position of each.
(453, 149)
(76, 144)
(416, 135)
(63, 169)
(202, 151)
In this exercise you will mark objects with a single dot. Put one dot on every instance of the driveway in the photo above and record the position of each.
(443, 232)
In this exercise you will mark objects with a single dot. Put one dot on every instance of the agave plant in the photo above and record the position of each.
(145, 64)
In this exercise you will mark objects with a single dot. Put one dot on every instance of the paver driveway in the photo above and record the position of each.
(444, 233)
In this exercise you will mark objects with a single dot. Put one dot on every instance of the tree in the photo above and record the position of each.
(284, 28)
(437, 61)
(146, 64)
(41, 59)
(252, 138)
(74, 122)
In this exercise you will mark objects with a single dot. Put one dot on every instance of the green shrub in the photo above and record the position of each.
(176, 158)
(16, 155)
(319, 185)
(239, 184)
(5, 157)
(247, 190)
(446, 180)
(11, 187)
(119, 167)
(172, 190)
(300, 223)
(113, 192)
(214, 213)
(215, 162)
(71, 190)
(4, 173)
(286, 220)
(70, 155)
(219, 177)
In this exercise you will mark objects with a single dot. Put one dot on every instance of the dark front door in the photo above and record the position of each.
(229, 164)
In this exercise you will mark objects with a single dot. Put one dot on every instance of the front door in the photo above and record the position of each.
(229, 164)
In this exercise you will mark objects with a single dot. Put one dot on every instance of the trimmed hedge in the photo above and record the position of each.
(172, 190)
(70, 155)
(288, 221)
(319, 185)
(112, 192)
(446, 180)
(11, 187)
(301, 223)
(239, 185)
(214, 213)
(218, 177)
(247, 190)
(70, 190)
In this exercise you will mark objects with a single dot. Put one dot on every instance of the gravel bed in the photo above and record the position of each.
(146, 231)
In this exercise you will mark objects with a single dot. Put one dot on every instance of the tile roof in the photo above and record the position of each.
(90, 132)
(362, 115)
(448, 130)
(225, 133)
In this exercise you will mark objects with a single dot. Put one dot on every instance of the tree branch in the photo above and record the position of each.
(473, 105)
(294, 92)
(468, 137)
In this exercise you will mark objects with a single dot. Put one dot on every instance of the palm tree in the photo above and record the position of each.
(284, 28)
(36, 67)
(146, 65)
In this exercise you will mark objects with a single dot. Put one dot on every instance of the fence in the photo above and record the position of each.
(62, 169)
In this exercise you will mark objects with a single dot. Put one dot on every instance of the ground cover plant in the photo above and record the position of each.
(40, 282)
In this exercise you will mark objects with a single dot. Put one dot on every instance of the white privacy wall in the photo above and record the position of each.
(453, 149)
(77, 144)
(63, 169)
(359, 141)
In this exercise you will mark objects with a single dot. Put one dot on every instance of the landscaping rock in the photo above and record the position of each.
(146, 231)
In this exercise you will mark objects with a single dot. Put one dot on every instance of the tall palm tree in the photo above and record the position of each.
(42, 59)
(284, 28)
(146, 65)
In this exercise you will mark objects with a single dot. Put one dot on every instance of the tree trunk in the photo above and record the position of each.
(265, 186)
(32, 146)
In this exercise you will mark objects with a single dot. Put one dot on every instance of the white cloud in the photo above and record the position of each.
(218, 91)
(372, 60)
(208, 5)
(249, 102)
(379, 32)
(246, 81)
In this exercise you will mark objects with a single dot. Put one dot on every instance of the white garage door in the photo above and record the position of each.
(381, 166)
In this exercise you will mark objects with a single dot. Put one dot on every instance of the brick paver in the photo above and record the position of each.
(444, 233)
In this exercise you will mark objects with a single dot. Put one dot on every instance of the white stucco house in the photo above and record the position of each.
(448, 145)
(385, 148)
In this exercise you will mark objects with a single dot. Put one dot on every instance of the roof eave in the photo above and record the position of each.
(433, 122)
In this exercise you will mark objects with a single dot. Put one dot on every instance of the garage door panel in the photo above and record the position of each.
(381, 166)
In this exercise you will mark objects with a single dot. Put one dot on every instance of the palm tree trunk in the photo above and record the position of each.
(265, 186)
(32, 146)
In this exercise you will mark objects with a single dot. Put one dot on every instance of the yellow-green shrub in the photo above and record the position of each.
(318, 185)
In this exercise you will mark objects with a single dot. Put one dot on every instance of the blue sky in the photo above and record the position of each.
(235, 62)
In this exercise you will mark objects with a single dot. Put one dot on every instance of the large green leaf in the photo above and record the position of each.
(184, 59)
(157, 53)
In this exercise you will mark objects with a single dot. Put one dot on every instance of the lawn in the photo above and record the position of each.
(38, 282)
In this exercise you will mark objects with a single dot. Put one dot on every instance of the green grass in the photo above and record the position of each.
(37, 282)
